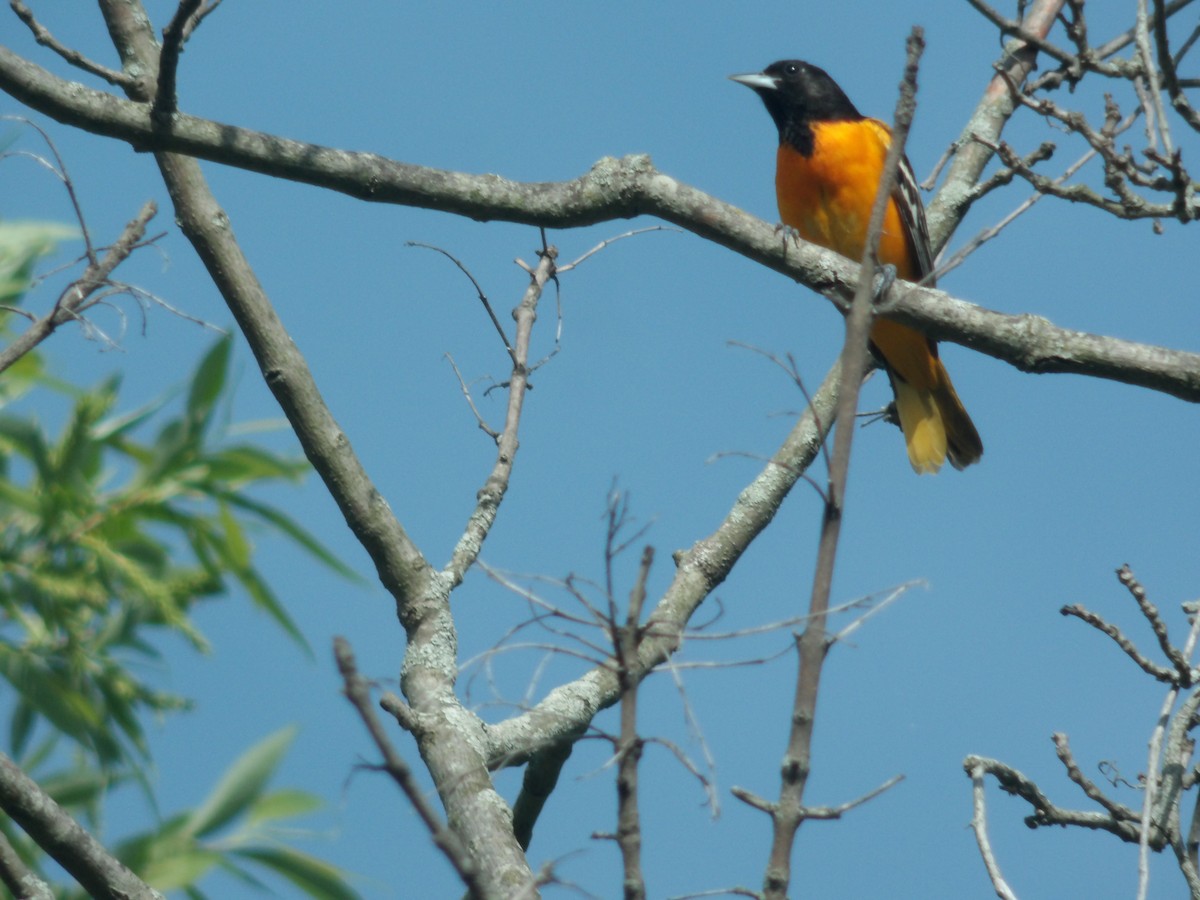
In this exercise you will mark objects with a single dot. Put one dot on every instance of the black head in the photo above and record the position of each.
(796, 94)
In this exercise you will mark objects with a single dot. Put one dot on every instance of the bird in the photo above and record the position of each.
(827, 172)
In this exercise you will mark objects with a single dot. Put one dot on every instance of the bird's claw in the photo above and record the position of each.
(885, 277)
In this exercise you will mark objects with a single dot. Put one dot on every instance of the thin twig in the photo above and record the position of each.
(42, 35)
(491, 495)
(60, 170)
(612, 240)
(80, 294)
(1151, 668)
(358, 692)
(487, 305)
(466, 392)
(788, 813)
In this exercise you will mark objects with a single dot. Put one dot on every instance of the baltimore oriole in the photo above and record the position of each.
(828, 168)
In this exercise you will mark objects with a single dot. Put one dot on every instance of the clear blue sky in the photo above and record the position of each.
(1079, 476)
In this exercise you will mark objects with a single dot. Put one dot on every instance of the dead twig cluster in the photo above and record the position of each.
(1170, 778)
(1141, 67)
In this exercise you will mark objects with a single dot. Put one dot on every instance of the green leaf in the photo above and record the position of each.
(242, 784)
(287, 803)
(264, 598)
(78, 787)
(178, 867)
(312, 876)
(20, 728)
(234, 549)
(243, 464)
(208, 383)
(296, 532)
(22, 243)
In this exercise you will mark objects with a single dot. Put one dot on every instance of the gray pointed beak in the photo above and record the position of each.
(756, 81)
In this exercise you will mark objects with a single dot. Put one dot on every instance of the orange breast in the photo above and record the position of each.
(827, 196)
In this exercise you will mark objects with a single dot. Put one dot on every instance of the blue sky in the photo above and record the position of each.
(1079, 475)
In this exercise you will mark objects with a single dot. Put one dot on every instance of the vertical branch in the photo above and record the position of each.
(492, 493)
(1158, 125)
(168, 66)
(1154, 766)
(629, 748)
(358, 692)
(789, 812)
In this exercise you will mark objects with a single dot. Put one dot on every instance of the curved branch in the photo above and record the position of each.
(99, 873)
(612, 189)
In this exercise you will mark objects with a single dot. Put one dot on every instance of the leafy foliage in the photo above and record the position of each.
(92, 543)
(109, 538)
(235, 825)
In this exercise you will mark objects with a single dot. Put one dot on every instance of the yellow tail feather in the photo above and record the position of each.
(935, 424)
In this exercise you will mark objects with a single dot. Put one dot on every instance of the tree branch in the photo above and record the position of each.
(358, 692)
(451, 738)
(617, 189)
(789, 812)
(18, 877)
(491, 495)
(947, 208)
(979, 826)
(75, 298)
(97, 872)
(698, 570)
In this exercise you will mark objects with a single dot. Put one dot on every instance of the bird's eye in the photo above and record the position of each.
(791, 69)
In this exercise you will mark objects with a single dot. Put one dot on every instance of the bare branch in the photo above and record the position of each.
(698, 571)
(813, 644)
(18, 877)
(1171, 80)
(1161, 673)
(1178, 658)
(358, 692)
(451, 738)
(209, 7)
(80, 294)
(607, 242)
(979, 826)
(43, 36)
(836, 812)
(491, 495)
(626, 639)
(995, 108)
(168, 61)
(478, 291)
(613, 188)
(1062, 746)
(81, 855)
(1155, 807)
(1046, 813)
